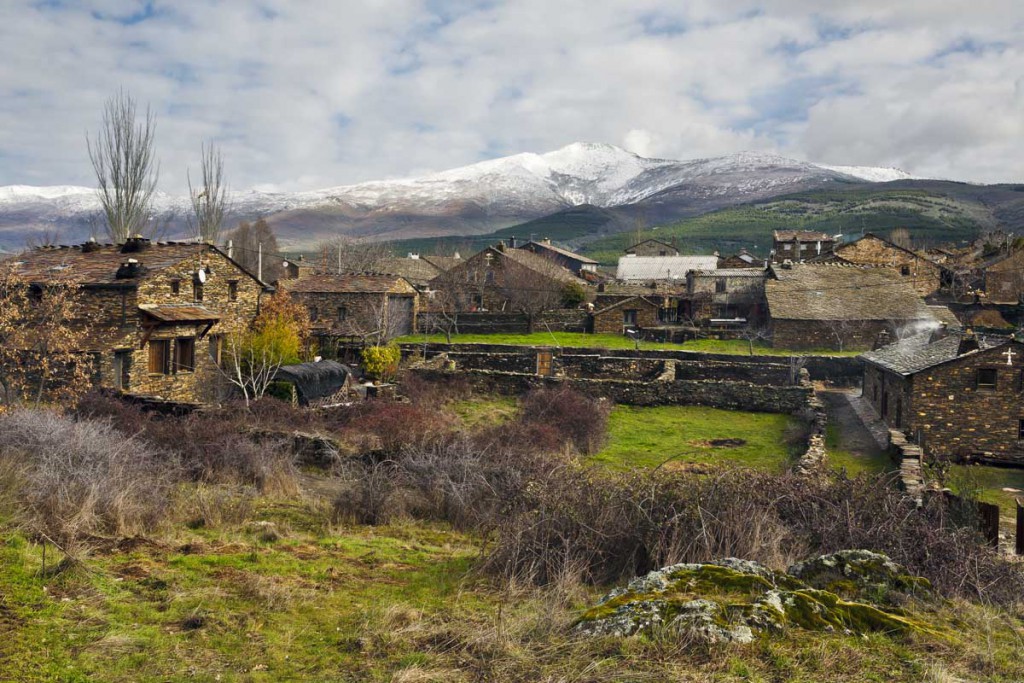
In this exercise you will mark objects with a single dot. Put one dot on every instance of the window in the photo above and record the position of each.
(986, 378)
(342, 313)
(787, 247)
(215, 348)
(233, 290)
(720, 285)
(629, 317)
(175, 286)
(489, 277)
(313, 314)
(185, 354)
(122, 368)
(904, 270)
(160, 357)
(124, 309)
(1020, 430)
(197, 291)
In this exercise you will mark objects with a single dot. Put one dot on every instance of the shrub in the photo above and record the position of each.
(82, 478)
(381, 362)
(582, 419)
(398, 425)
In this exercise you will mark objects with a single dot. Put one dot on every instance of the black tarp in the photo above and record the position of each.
(314, 380)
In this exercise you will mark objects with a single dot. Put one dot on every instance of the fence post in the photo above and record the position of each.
(1020, 527)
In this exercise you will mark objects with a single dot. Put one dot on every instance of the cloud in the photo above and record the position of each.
(320, 93)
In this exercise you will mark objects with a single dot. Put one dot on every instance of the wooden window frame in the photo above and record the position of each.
(232, 290)
(185, 361)
(160, 364)
(175, 286)
(342, 313)
(986, 386)
(197, 291)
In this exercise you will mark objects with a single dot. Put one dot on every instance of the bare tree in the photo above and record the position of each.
(530, 292)
(451, 296)
(901, 238)
(249, 367)
(126, 170)
(753, 334)
(209, 200)
(342, 254)
(251, 241)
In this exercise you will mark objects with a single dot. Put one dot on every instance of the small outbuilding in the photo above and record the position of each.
(315, 384)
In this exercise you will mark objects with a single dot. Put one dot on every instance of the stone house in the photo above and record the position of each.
(293, 269)
(799, 245)
(741, 259)
(653, 247)
(731, 292)
(153, 314)
(1004, 279)
(872, 250)
(635, 313)
(959, 395)
(418, 269)
(361, 305)
(577, 264)
(501, 278)
(840, 307)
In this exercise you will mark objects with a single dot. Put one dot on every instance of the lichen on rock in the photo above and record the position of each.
(734, 600)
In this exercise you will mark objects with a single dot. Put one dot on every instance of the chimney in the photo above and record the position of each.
(231, 249)
(90, 246)
(883, 339)
(128, 269)
(940, 332)
(512, 242)
(546, 240)
(501, 246)
(968, 342)
(134, 244)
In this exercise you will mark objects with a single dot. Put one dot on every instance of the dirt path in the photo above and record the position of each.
(853, 436)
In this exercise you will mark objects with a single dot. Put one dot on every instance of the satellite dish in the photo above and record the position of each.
(201, 275)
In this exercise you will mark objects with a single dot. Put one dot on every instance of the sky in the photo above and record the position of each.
(306, 94)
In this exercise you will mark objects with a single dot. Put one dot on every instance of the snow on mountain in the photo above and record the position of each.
(872, 174)
(477, 198)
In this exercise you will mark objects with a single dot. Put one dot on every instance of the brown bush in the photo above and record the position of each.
(399, 425)
(581, 419)
(81, 478)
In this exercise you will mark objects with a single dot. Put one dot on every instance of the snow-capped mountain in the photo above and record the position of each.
(472, 199)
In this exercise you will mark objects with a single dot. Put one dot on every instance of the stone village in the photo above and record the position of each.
(921, 344)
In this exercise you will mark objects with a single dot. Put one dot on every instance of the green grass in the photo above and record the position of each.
(989, 483)
(648, 437)
(737, 347)
(482, 411)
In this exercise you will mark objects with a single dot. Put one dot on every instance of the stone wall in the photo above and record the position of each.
(955, 417)
(840, 370)
(813, 335)
(562, 320)
(711, 393)
(362, 312)
(612, 321)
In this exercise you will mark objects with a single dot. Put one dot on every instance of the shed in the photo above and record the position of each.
(315, 382)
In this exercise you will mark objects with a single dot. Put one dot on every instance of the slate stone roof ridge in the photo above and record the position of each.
(802, 235)
(626, 301)
(731, 272)
(840, 291)
(560, 250)
(366, 282)
(632, 267)
(539, 264)
(917, 353)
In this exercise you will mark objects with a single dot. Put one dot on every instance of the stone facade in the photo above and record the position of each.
(357, 304)
(799, 245)
(971, 406)
(635, 313)
(731, 293)
(872, 250)
(653, 247)
(1004, 280)
(817, 335)
(157, 333)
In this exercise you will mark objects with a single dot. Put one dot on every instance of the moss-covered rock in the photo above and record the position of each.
(859, 574)
(734, 600)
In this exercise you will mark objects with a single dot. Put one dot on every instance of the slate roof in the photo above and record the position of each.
(637, 299)
(443, 263)
(348, 283)
(418, 271)
(731, 272)
(802, 235)
(561, 251)
(651, 239)
(662, 267)
(540, 264)
(179, 314)
(944, 315)
(96, 264)
(315, 380)
(910, 356)
(811, 291)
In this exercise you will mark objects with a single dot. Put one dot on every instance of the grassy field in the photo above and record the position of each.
(648, 437)
(615, 341)
(854, 463)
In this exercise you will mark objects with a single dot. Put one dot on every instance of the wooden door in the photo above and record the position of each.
(544, 364)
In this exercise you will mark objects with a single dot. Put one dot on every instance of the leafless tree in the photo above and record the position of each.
(451, 295)
(249, 242)
(342, 254)
(249, 367)
(209, 199)
(384, 321)
(901, 238)
(529, 291)
(122, 156)
(841, 329)
(796, 364)
(753, 334)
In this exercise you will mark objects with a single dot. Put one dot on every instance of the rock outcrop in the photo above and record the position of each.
(731, 600)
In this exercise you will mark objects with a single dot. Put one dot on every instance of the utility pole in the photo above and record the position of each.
(259, 262)
(338, 246)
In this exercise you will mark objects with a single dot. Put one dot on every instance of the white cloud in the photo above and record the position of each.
(312, 94)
